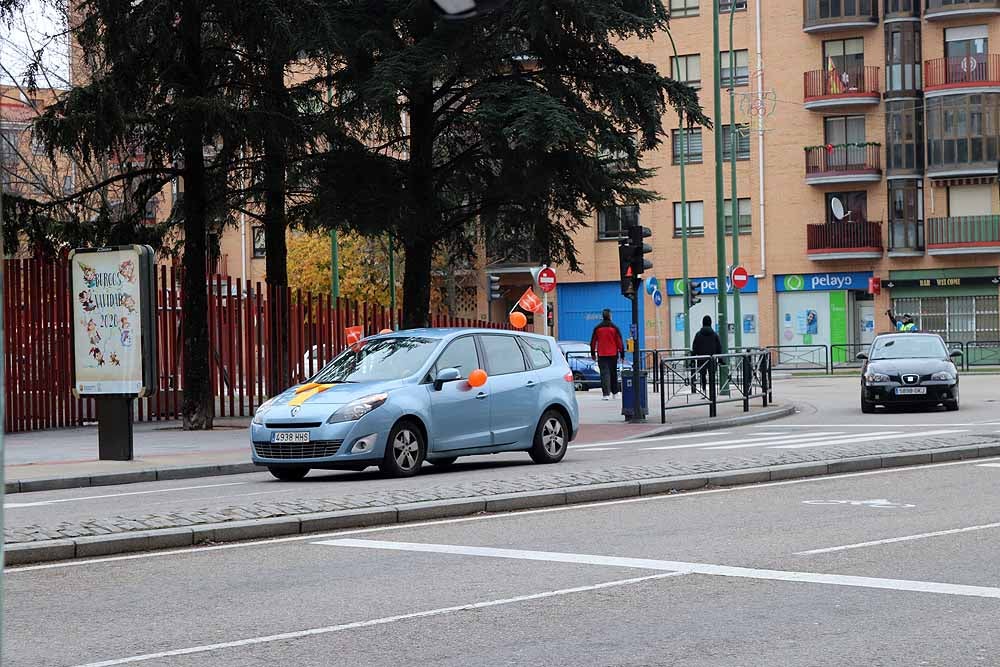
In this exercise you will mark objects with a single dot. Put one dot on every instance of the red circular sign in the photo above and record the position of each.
(740, 277)
(546, 280)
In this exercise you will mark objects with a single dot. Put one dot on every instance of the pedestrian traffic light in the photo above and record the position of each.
(494, 288)
(625, 269)
(693, 293)
(640, 249)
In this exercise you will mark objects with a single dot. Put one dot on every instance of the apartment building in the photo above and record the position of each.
(876, 156)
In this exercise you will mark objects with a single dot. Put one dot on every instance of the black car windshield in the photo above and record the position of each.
(378, 360)
(909, 347)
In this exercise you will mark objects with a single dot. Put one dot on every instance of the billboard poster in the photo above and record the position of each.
(113, 337)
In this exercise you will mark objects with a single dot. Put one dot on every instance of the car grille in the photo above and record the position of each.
(317, 449)
(293, 424)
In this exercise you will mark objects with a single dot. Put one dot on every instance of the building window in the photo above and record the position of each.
(905, 7)
(963, 130)
(680, 8)
(742, 73)
(906, 214)
(613, 222)
(846, 207)
(726, 5)
(745, 216)
(902, 56)
(845, 60)
(904, 135)
(687, 69)
(68, 184)
(849, 132)
(9, 139)
(259, 247)
(835, 9)
(742, 142)
(692, 146)
(695, 219)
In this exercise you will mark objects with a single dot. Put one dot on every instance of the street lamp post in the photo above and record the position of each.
(720, 232)
(681, 138)
(737, 314)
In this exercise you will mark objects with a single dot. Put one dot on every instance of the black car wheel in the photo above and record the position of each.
(867, 407)
(289, 473)
(951, 406)
(551, 438)
(405, 451)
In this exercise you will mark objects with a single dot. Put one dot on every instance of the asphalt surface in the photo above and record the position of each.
(889, 567)
(829, 421)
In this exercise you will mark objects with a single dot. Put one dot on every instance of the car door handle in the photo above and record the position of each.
(481, 395)
(531, 383)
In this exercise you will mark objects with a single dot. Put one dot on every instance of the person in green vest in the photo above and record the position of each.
(903, 324)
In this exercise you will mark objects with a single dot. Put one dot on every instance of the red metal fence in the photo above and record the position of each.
(39, 350)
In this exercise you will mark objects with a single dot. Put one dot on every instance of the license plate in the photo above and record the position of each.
(290, 436)
(910, 391)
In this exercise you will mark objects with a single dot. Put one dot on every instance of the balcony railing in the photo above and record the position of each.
(965, 234)
(843, 163)
(941, 9)
(822, 15)
(843, 86)
(966, 72)
(845, 239)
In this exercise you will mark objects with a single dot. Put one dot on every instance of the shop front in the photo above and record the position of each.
(830, 309)
(710, 306)
(959, 304)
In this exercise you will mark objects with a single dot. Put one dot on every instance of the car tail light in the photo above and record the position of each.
(568, 377)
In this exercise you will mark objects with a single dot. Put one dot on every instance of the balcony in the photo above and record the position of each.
(844, 163)
(938, 10)
(964, 235)
(971, 74)
(851, 87)
(833, 15)
(844, 240)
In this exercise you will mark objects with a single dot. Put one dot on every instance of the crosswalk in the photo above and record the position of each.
(777, 440)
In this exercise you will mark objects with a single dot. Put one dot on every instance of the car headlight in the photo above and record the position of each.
(944, 376)
(876, 377)
(357, 409)
(258, 417)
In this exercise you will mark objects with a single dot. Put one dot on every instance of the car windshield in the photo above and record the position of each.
(378, 360)
(909, 347)
(574, 348)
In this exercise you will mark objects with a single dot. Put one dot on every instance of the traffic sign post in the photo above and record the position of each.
(545, 278)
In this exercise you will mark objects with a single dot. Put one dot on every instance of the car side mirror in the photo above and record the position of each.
(446, 375)
(862, 356)
(955, 354)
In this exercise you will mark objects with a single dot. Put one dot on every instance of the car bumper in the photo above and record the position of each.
(885, 394)
(330, 446)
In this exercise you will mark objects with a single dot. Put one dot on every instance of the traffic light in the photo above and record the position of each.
(640, 249)
(693, 293)
(494, 288)
(550, 315)
(625, 269)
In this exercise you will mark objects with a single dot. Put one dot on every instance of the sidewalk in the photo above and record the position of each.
(67, 458)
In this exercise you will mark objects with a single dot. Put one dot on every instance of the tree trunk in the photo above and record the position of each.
(450, 287)
(275, 226)
(417, 284)
(198, 402)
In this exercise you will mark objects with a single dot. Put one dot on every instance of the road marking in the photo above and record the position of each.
(600, 449)
(893, 540)
(988, 465)
(710, 569)
(81, 562)
(312, 632)
(866, 437)
(759, 440)
(874, 425)
(40, 503)
(877, 503)
(653, 439)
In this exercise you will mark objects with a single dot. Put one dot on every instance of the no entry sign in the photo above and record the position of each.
(740, 277)
(546, 279)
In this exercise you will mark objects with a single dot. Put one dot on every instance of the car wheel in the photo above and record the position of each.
(951, 406)
(289, 473)
(551, 438)
(867, 407)
(443, 463)
(405, 451)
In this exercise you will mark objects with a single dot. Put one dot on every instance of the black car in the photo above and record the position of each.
(909, 369)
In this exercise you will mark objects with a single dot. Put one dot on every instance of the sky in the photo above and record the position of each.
(30, 29)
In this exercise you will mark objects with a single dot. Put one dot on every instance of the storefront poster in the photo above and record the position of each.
(749, 324)
(679, 322)
(807, 322)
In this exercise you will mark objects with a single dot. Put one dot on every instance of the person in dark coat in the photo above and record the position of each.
(706, 342)
(606, 348)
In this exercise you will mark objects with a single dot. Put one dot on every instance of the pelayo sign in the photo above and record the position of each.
(822, 282)
(675, 286)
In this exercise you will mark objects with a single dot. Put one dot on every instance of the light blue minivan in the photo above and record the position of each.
(397, 400)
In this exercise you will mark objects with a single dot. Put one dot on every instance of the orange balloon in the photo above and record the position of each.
(384, 331)
(518, 320)
(477, 378)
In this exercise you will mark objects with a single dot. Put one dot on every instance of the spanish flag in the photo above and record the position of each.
(834, 79)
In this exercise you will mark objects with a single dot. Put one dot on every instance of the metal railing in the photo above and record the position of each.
(971, 70)
(843, 159)
(963, 230)
(695, 381)
(800, 357)
(982, 353)
(844, 236)
(845, 355)
(851, 81)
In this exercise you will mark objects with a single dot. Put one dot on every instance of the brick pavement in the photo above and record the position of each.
(476, 489)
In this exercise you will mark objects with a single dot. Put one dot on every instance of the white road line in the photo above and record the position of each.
(653, 439)
(40, 503)
(600, 449)
(812, 440)
(892, 540)
(988, 465)
(679, 566)
(755, 439)
(199, 550)
(874, 424)
(312, 632)
(865, 437)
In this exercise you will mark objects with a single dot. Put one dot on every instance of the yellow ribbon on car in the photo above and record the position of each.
(307, 391)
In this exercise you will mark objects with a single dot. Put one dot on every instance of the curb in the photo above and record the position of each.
(235, 531)
(714, 424)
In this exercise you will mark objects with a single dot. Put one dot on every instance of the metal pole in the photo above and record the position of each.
(334, 243)
(720, 232)
(737, 314)
(392, 282)
(3, 401)
(638, 417)
(681, 137)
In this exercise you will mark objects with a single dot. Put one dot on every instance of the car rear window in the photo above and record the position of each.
(538, 352)
(503, 355)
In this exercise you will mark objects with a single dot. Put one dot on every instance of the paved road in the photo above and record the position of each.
(828, 424)
(890, 567)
